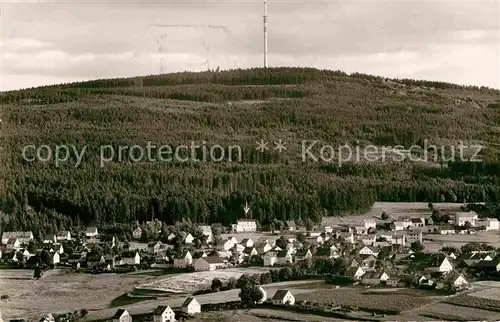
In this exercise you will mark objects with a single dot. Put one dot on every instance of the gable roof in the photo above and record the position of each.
(213, 259)
(291, 224)
(119, 313)
(189, 300)
(91, 230)
(161, 309)
(280, 294)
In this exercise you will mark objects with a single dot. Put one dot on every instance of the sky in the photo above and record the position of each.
(51, 42)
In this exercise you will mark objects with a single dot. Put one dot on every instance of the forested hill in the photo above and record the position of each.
(238, 108)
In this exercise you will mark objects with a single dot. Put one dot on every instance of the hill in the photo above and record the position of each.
(239, 108)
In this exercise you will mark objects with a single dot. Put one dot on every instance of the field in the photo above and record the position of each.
(449, 312)
(59, 291)
(394, 209)
(189, 282)
(395, 301)
(476, 302)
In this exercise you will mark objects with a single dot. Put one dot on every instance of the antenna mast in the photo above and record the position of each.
(265, 33)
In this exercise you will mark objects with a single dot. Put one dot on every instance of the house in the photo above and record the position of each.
(130, 258)
(491, 266)
(360, 230)
(95, 261)
(398, 225)
(369, 250)
(445, 265)
(347, 237)
(209, 263)
(489, 223)
(371, 278)
(355, 273)
(24, 237)
(461, 218)
(459, 281)
(247, 242)
(191, 306)
(369, 223)
(188, 239)
(290, 225)
(326, 253)
(384, 235)
(183, 260)
(171, 237)
(155, 247)
(263, 248)
(426, 281)
(368, 261)
(369, 239)
(270, 258)
(137, 233)
(12, 244)
(63, 235)
(163, 314)
(398, 239)
(49, 317)
(393, 282)
(283, 297)
(417, 222)
(58, 248)
(328, 229)
(237, 249)
(245, 225)
(207, 231)
(446, 229)
(303, 254)
(122, 315)
(91, 232)
(284, 257)
(315, 239)
(250, 251)
(413, 235)
(49, 239)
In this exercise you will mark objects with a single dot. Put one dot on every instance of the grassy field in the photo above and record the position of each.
(449, 312)
(476, 302)
(390, 301)
(59, 291)
(189, 282)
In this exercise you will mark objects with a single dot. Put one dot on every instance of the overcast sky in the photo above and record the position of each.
(52, 42)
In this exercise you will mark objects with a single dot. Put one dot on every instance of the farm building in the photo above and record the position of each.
(191, 306)
(489, 223)
(122, 316)
(208, 263)
(163, 314)
(283, 297)
(270, 258)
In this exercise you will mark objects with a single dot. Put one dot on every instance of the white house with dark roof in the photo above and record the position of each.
(12, 244)
(163, 314)
(191, 306)
(185, 259)
(283, 297)
(247, 242)
(137, 233)
(122, 315)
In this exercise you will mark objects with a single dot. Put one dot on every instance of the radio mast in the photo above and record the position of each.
(265, 33)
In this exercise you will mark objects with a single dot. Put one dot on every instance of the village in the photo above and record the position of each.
(383, 251)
